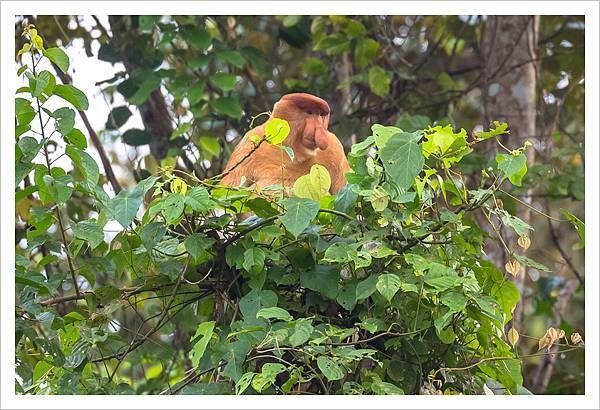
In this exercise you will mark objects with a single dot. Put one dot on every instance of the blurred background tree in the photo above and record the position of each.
(185, 88)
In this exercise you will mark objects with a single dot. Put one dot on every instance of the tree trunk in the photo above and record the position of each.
(509, 53)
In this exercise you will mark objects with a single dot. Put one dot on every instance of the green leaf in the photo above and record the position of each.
(64, 120)
(315, 185)
(380, 387)
(254, 258)
(333, 44)
(151, 234)
(154, 371)
(76, 138)
(382, 134)
(209, 146)
(85, 163)
(136, 137)
(198, 199)
(302, 332)
(58, 57)
(199, 61)
(501, 128)
(577, 224)
(365, 52)
(412, 123)
(89, 231)
(117, 117)
(235, 357)
(232, 57)
(107, 294)
(172, 207)
(228, 106)
(443, 140)
(43, 83)
(345, 199)
(455, 301)
(276, 131)
(274, 313)
(299, 212)
(379, 81)
(366, 287)
(196, 92)
(347, 295)
(289, 151)
(182, 129)
(147, 23)
(147, 87)
(255, 300)
(267, 376)
(514, 167)
(322, 279)
(355, 28)
(388, 285)
(507, 295)
(55, 189)
(24, 111)
(224, 81)
(73, 95)
(29, 147)
(205, 330)
(379, 199)
(441, 283)
(402, 159)
(198, 38)
(531, 263)
(197, 243)
(243, 383)
(521, 227)
(338, 252)
(40, 371)
(331, 370)
(125, 205)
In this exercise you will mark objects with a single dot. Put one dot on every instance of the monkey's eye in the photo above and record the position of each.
(309, 112)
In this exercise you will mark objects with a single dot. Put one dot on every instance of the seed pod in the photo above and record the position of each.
(524, 242)
(513, 267)
(513, 336)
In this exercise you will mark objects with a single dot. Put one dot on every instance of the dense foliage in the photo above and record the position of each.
(383, 289)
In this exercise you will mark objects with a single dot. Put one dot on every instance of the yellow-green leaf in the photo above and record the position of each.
(276, 131)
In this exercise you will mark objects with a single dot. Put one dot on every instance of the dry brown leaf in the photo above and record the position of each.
(576, 338)
(552, 336)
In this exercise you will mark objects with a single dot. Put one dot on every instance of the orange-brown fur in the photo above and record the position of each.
(309, 138)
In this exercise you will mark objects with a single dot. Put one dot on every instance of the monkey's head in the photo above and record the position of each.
(308, 117)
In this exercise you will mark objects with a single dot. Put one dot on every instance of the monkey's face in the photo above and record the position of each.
(308, 117)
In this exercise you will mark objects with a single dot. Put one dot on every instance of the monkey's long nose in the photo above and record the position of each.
(321, 140)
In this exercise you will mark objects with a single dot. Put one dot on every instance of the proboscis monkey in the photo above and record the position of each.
(309, 138)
